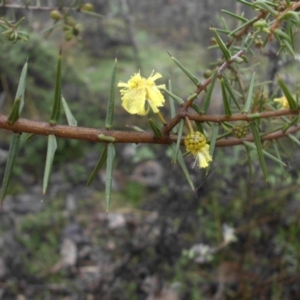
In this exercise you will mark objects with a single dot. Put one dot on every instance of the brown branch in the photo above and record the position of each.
(91, 134)
(240, 117)
(31, 7)
(82, 133)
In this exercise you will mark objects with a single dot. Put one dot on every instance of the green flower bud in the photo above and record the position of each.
(87, 7)
(68, 36)
(240, 131)
(207, 73)
(55, 15)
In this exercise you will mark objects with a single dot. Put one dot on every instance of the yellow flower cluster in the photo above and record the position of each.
(282, 101)
(195, 142)
(140, 94)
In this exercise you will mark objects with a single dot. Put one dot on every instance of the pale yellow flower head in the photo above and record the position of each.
(283, 102)
(140, 94)
(195, 142)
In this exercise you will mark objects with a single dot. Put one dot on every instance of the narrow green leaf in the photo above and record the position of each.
(265, 153)
(231, 92)
(70, 118)
(52, 146)
(239, 28)
(226, 101)
(196, 108)
(282, 34)
(156, 130)
(19, 98)
(266, 6)
(248, 103)
(22, 86)
(19, 22)
(213, 138)
(259, 149)
(55, 113)
(192, 97)
(289, 47)
(172, 106)
(291, 100)
(291, 33)
(224, 49)
(193, 78)
(173, 96)
(245, 2)
(206, 102)
(199, 127)
(249, 163)
(111, 100)
(14, 114)
(294, 139)
(98, 166)
(278, 156)
(179, 135)
(111, 153)
(12, 153)
(183, 167)
(234, 15)
(291, 15)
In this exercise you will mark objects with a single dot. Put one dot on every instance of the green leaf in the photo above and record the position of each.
(249, 163)
(111, 153)
(172, 106)
(289, 47)
(70, 118)
(291, 15)
(55, 113)
(19, 98)
(248, 102)
(173, 96)
(265, 5)
(156, 130)
(98, 166)
(234, 15)
(231, 92)
(265, 153)
(278, 156)
(52, 146)
(14, 114)
(282, 34)
(291, 100)
(193, 78)
(179, 135)
(259, 149)
(245, 2)
(294, 139)
(213, 138)
(226, 101)
(239, 28)
(111, 100)
(12, 153)
(224, 49)
(206, 102)
(183, 167)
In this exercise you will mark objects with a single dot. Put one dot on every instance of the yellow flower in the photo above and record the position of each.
(283, 102)
(139, 94)
(195, 142)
